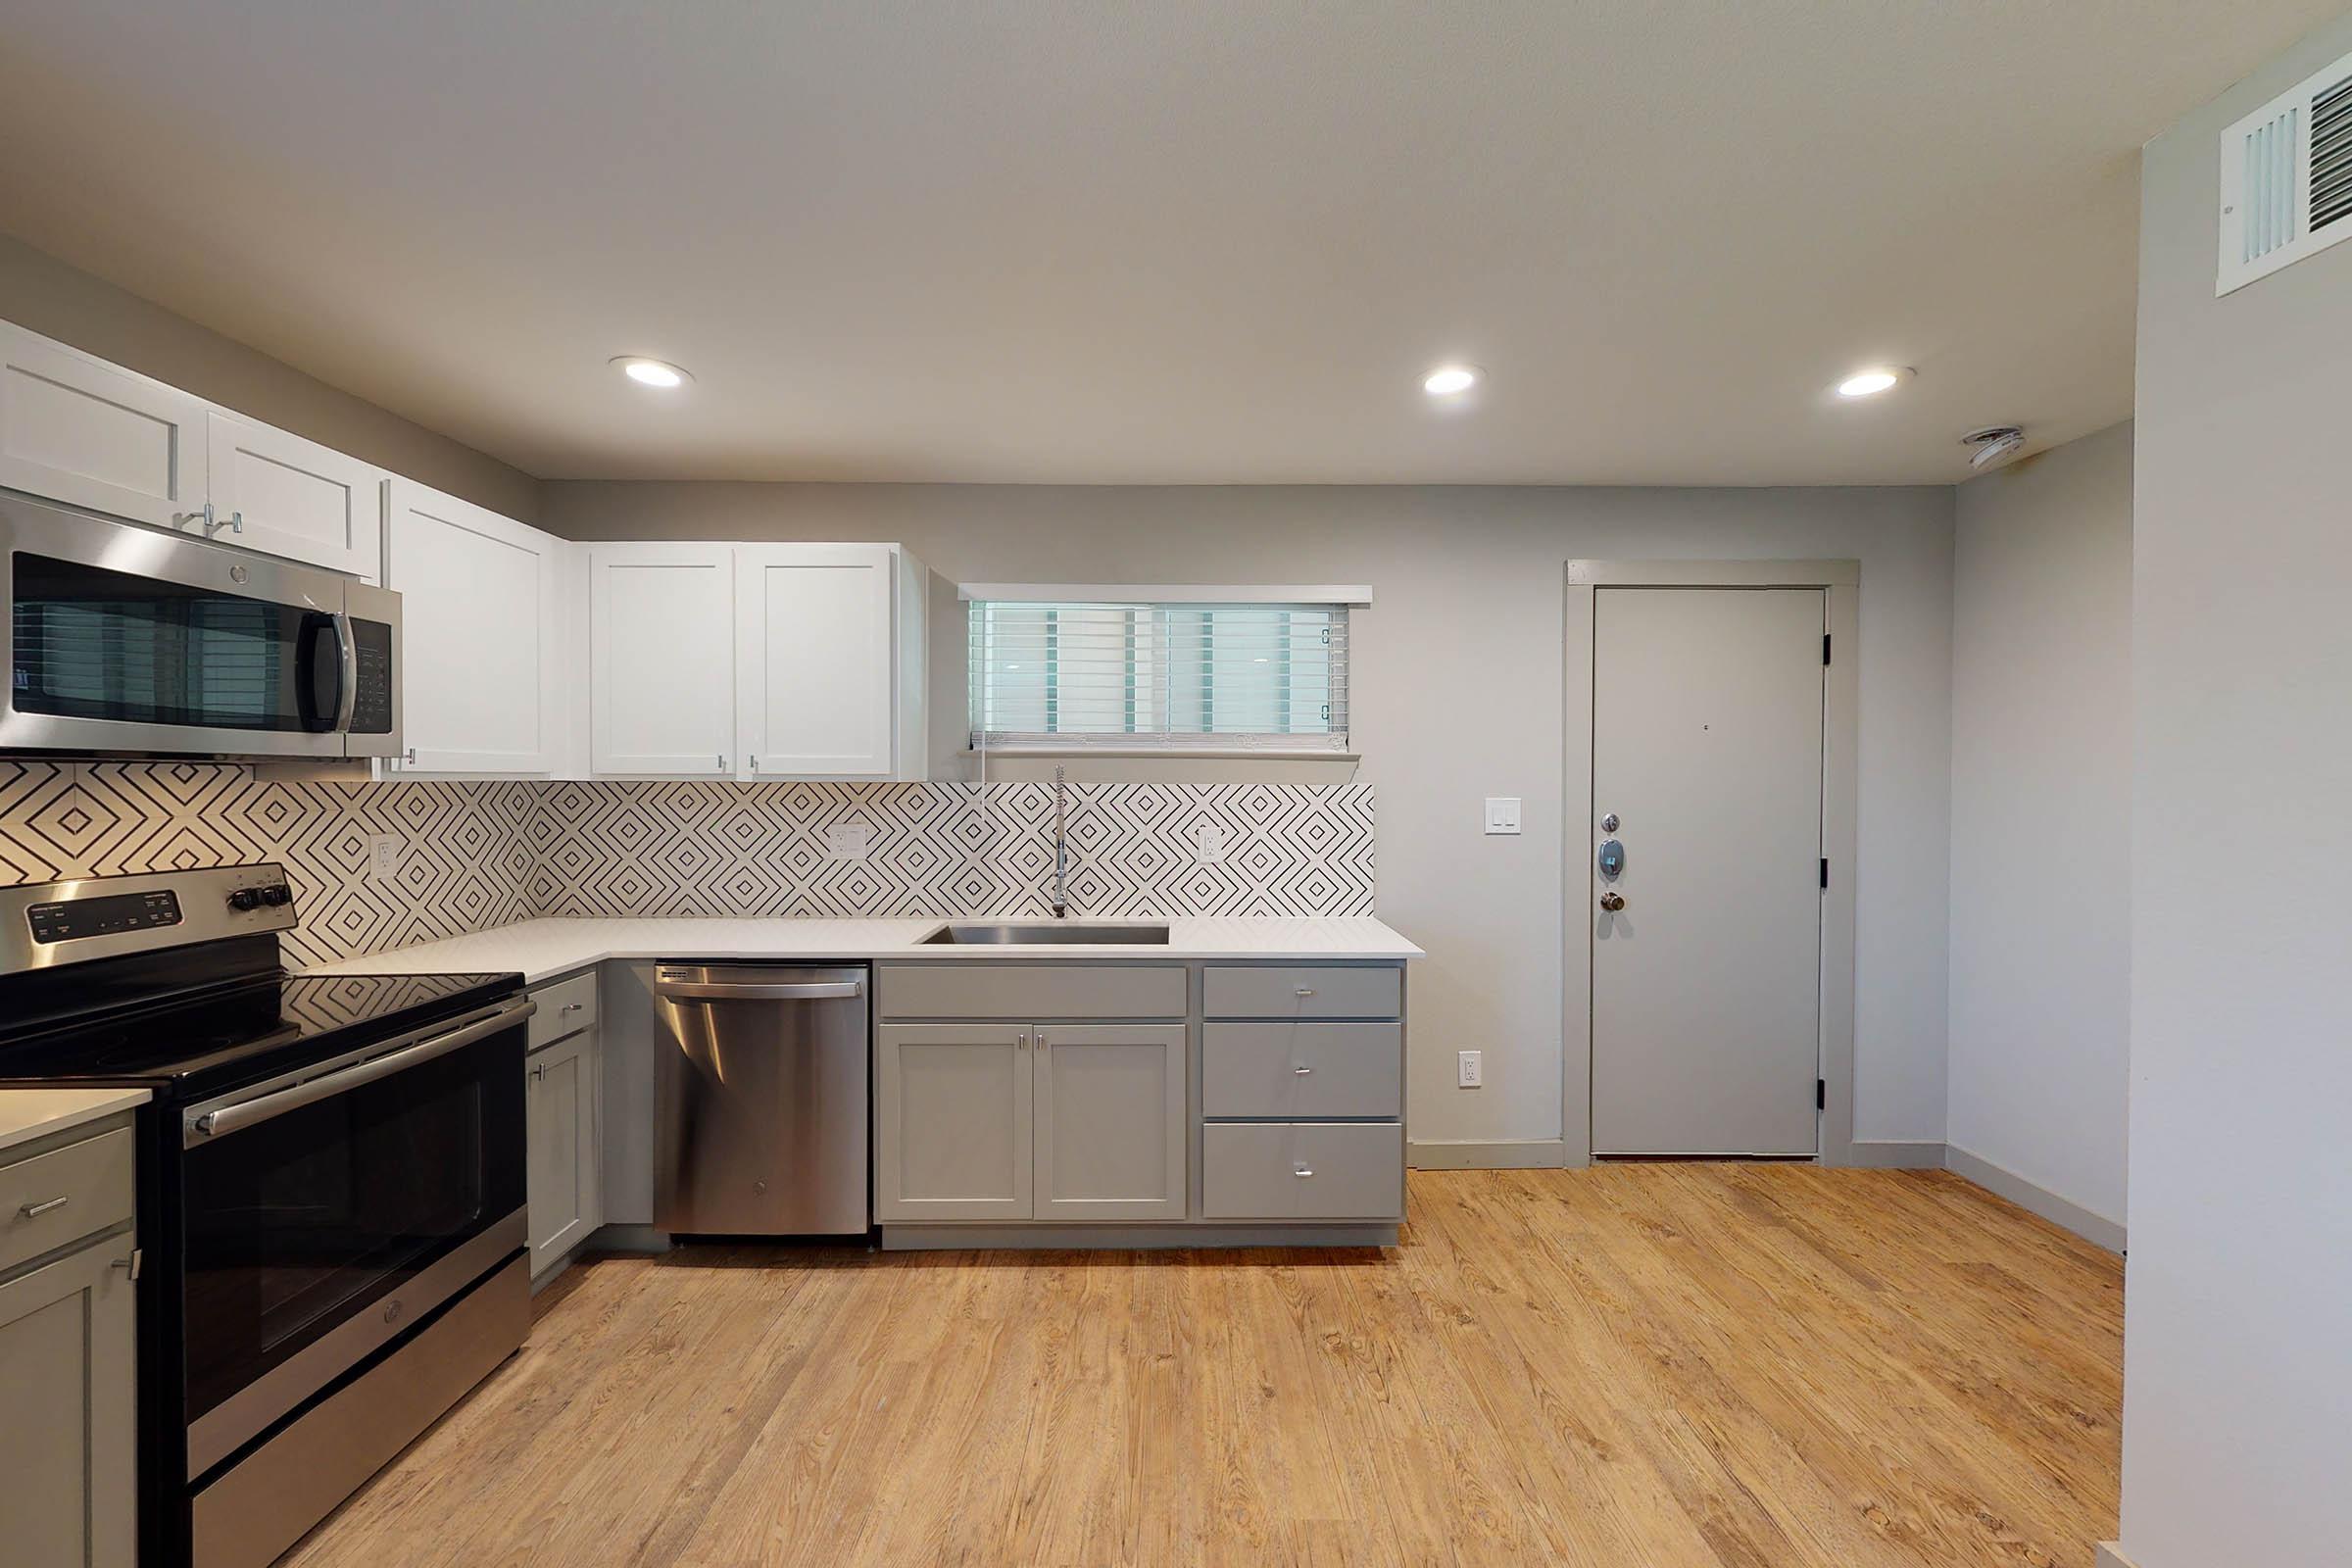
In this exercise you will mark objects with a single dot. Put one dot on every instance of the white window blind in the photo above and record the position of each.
(1160, 676)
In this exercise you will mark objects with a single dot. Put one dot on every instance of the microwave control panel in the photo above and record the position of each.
(371, 709)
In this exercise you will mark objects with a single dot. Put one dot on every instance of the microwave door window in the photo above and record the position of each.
(91, 643)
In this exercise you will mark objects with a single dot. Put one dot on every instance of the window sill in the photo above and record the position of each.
(1174, 752)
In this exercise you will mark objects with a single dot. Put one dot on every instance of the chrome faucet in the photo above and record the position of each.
(1062, 857)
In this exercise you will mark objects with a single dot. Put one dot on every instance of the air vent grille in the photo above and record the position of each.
(2286, 178)
(2332, 155)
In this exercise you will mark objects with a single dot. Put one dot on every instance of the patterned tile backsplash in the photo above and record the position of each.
(477, 855)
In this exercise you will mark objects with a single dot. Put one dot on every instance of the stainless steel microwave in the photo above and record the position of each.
(122, 639)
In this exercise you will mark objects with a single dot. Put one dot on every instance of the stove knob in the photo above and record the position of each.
(277, 895)
(244, 898)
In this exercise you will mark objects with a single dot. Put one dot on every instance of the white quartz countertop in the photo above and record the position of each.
(554, 945)
(29, 1113)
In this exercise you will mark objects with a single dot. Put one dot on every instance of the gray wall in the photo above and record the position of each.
(1458, 696)
(46, 295)
(2041, 790)
(2237, 1396)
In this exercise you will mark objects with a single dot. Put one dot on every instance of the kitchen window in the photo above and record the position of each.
(1129, 674)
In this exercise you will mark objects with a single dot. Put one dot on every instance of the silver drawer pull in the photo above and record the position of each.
(1307, 991)
(571, 1006)
(1304, 1170)
(1303, 1071)
(130, 1265)
(36, 1210)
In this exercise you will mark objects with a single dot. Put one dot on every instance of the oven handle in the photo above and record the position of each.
(347, 664)
(264, 1108)
(716, 991)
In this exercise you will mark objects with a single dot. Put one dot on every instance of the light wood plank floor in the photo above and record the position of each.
(1635, 1366)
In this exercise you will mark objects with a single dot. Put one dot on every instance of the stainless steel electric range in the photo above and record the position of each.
(331, 1182)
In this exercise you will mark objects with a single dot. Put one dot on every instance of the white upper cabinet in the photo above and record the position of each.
(662, 656)
(481, 617)
(78, 430)
(278, 493)
(813, 656)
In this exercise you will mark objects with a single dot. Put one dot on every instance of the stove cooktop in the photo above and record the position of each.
(201, 1041)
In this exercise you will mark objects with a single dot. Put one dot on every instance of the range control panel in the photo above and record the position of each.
(104, 917)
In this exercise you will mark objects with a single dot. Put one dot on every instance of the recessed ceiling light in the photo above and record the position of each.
(1447, 379)
(652, 372)
(1873, 381)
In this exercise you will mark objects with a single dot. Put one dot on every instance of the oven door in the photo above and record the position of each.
(326, 1213)
(120, 638)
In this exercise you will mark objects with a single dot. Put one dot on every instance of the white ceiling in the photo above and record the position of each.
(1139, 240)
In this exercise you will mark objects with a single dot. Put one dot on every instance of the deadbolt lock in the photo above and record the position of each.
(1611, 858)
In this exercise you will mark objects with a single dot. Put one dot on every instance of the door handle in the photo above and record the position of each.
(1612, 900)
(347, 662)
(226, 1119)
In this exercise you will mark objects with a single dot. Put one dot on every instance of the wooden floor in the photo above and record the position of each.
(1635, 1366)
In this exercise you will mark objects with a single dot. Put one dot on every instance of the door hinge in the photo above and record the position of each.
(1825, 871)
(1820, 1093)
(1824, 647)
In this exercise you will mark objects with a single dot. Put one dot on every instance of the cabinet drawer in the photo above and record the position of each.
(1302, 1070)
(1287, 993)
(92, 1176)
(1027, 992)
(1303, 1170)
(566, 1007)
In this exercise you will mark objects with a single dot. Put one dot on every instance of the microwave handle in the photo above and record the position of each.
(347, 666)
(253, 1112)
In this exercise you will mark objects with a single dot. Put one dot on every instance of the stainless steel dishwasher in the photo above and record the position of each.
(761, 1100)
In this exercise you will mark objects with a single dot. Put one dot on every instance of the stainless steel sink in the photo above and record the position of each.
(1043, 933)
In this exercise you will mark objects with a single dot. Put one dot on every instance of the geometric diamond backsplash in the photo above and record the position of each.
(481, 855)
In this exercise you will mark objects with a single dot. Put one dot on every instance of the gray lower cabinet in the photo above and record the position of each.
(951, 1121)
(1109, 1121)
(1029, 1122)
(69, 1348)
(561, 1084)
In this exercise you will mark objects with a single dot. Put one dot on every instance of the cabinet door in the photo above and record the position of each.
(80, 432)
(1111, 1123)
(663, 661)
(279, 493)
(69, 1464)
(951, 1121)
(481, 621)
(559, 1099)
(813, 649)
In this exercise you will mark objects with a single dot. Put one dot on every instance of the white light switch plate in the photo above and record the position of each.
(848, 841)
(1502, 813)
(383, 854)
(1471, 1068)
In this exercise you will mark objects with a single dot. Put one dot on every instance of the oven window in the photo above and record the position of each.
(91, 643)
(294, 1224)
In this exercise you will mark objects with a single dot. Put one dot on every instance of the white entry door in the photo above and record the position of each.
(1707, 748)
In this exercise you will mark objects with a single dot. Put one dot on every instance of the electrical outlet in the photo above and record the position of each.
(1209, 843)
(848, 841)
(1502, 813)
(1471, 1068)
(383, 854)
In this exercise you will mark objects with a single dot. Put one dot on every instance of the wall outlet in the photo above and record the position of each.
(848, 841)
(1502, 813)
(383, 854)
(1470, 1068)
(1209, 843)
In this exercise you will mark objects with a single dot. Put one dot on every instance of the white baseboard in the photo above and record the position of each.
(1481, 1153)
(1894, 1156)
(2111, 1555)
(2096, 1229)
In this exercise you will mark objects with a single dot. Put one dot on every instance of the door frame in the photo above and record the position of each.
(1841, 582)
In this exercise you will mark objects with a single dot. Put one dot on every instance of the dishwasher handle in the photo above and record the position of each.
(727, 990)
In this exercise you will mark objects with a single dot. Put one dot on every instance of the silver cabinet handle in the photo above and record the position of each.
(754, 762)
(1303, 1071)
(130, 1265)
(1022, 1039)
(1041, 1040)
(409, 756)
(236, 522)
(718, 991)
(36, 1210)
(266, 1107)
(1304, 1170)
(180, 520)
(539, 1072)
(1307, 991)
(571, 1006)
(722, 762)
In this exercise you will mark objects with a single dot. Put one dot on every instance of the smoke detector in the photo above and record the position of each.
(1995, 445)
